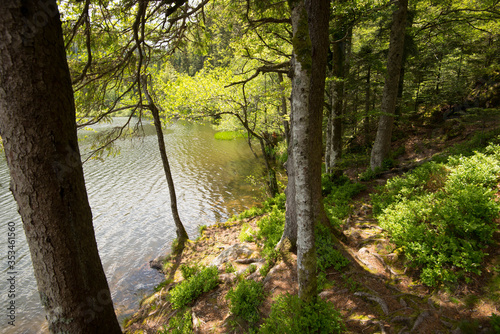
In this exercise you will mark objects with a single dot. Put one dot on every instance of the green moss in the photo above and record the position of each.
(308, 269)
(302, 42)
(229, 135)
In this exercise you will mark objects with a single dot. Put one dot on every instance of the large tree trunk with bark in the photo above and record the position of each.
(310, 46)
(37, 124)
(382, 145)
(182, 235)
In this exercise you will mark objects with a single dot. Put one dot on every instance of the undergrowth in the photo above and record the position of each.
(289, 314)
(195, 283)
(442, 215)
(181, 323)
(245, 300)
(337, 197)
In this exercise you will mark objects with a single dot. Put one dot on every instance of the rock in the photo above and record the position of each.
(326, 294)
(227, 278)
(232, 253)
(157, 263)
(364, 250)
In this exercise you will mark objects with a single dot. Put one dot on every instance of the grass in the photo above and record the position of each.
(229, 135)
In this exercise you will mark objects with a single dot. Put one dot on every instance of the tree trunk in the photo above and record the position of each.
(284, 112)
(272, 183)
(382, 145)
(182, 235)
(290, 230)
(37, 124)
(310, 46)
(366, 122)
(333, 151)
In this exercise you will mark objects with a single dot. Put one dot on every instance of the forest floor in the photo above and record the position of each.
(375, 293)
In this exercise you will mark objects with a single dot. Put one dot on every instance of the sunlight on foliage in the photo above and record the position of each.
(443, 215)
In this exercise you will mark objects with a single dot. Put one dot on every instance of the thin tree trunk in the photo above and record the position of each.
(367, 105)
(382, 145)
(290, 230)
(284, 112)
(272, 183)
(182, 235)
(333, 152)
(37, 124)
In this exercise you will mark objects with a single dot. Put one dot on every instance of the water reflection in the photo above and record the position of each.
(131, 209)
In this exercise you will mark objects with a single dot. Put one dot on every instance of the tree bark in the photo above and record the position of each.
(284, 112)
(366, 121)
(182, 235)
(310, 46)
(37, 124)
(290, 230)
(333, 151)
(382, 145)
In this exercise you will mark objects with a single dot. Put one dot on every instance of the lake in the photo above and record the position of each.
(130, 203)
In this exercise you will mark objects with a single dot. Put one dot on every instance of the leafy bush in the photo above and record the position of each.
(189, 271)
(273, 203)
(428, 177)
(494, 323)
(188, 290)
(338, 196)
(246, 233)
(442, 216)
(289, 314)
(245, 300)
(271, 229)
(327, 255)
(181, 323)
(479, 141)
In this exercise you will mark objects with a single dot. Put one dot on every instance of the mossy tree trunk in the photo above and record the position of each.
(310, 47)
(37, 124)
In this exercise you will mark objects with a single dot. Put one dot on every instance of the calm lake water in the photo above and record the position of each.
(130, 204)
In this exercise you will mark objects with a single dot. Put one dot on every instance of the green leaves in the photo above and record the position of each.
(289, 314)
(245, 300)
(188, 290)
(443, 216)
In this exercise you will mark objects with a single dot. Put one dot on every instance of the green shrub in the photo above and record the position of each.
(479, 169)
(338, 198)
(443, 216)
(188, 290)
(289, 314)
(189, 271)
(273, 203)
(327, 255)
(245, 300)
(181, 323)
(369, 174)
(479, 141)
(246, 233)
(270, 230)
(428, 177)
(494, 323)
